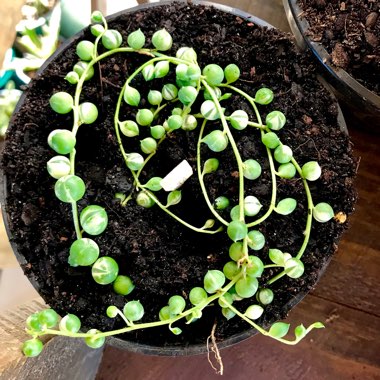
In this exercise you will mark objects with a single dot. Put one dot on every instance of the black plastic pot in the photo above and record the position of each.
(360, 102)
(131, 346)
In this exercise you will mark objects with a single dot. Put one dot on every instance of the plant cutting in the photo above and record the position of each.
(168, 99)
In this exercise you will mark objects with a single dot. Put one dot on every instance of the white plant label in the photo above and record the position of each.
(177, 177)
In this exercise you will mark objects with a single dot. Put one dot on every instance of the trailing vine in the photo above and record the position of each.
(240, 276)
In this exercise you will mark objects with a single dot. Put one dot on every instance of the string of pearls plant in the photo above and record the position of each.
(240, 276)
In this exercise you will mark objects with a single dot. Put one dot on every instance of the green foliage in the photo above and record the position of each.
(136, 39)
(162, 40)
(83, 252)
(69, 188)
(159, 121)
(105, 270)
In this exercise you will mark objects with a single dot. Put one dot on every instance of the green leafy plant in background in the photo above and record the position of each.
(212, 126)
(37, 39)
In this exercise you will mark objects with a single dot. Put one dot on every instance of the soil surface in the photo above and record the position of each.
(161, 256)
(350, 32)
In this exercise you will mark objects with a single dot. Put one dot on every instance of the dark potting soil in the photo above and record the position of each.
(350, 32)
(161, 256)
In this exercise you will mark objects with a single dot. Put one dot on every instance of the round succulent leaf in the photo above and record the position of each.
(211, 165)
(136, 39)
(286, 171)
(275, 120)
(251, 169)
(214, 74)
(254, 312)
(154, 184)
(162, 40)
(256, 240)
(247, 287)
(175, 122)
(83, 252)
(83, 68)
(94, 219)
(197, 295)
(164, 314)
(123, 285)
(294, 267)
(189, 123)
(209, 110)
(255, 267)
(61, 102)
(58, 166)
(187, 54)
(161, 69)
(72, 77)
(85, 50)
(300, 331)
(148, 72)
(239, 119)
(48, 318)
(105, 270)
(133, 310)
(144, 116)
(311, 171)
(221, 203)
(227, 313)
(252, 205)
(169, 91)
(235, 213)
(323, 212)
(286, 206)
(283, 154)
(94, 341)
(176, 304)
(144, 200)
(111, 39)
(70, 323)
(213, 281)
(225, 300)
(231, 270)
(148, 145)
(69, 188)
(276, 256)
(129, 128)
(231, 73)
(132, 96)
(174, 197)
(216, 141)
(32, 347)
(62, 141)
(88, 113)
(236, 251)
(187, 95)
(135, 161)
(279, 329)
(157, 132)
(154, 97)
(270, 140)
(265, 296)
(97, 30)
(237, 230)
(264, 96)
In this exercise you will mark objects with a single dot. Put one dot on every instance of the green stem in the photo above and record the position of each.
(234, 148)
(310, 207)
(201, 175)
(177, 218)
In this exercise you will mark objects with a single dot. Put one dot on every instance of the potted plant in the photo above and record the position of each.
(179, 202)
(344, 37)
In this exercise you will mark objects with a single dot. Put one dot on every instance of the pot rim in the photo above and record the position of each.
(299, 27)
(170, 350)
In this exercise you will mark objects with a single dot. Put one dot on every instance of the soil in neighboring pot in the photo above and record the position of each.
(350, 32)
(161, 256)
